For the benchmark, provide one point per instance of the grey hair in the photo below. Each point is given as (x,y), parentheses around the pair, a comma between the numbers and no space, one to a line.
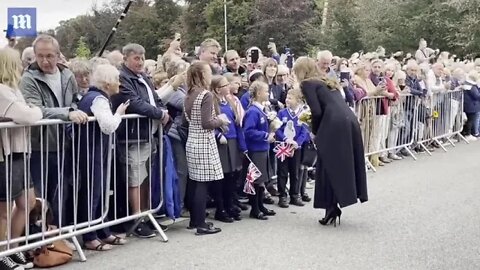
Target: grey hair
(46,39)
(133,48)
(103,74)
(176,67)
(81,67)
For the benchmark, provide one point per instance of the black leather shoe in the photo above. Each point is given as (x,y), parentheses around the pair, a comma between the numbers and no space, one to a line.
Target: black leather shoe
(191,227)
(208,230)
(306,198)
(243,206)
(268,212)
(273,191)
(235,209)
(283,202)
(259,216)
(296,202)
(268,201)
(223,217)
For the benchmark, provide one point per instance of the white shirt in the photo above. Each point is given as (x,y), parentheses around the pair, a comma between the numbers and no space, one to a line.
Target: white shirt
(55,83)
(107,121)
(155,124)
(435,84)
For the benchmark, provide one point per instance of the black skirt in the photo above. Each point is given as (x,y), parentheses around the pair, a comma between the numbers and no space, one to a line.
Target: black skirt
(262,161)
(14,173)
(230,156)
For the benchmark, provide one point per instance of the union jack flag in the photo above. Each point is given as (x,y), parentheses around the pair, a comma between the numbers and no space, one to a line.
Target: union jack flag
(253,174)
(283,150)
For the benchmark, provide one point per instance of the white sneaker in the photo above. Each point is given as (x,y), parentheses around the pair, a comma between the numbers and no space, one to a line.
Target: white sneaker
(471,138)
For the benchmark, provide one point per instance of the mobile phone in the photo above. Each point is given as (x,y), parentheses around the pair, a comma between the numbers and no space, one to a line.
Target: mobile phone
(255,55)
(344,76)
(290,61)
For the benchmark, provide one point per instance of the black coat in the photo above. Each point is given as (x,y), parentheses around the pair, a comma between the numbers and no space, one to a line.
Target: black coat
(341,159)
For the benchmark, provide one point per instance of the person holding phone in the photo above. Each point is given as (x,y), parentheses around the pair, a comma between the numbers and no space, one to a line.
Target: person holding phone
(388,90)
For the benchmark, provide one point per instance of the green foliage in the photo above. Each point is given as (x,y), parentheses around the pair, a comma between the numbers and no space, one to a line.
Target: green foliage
(352,25)
(82,50)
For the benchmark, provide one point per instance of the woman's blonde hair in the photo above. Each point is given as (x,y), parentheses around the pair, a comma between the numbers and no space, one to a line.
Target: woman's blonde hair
(158,78)
(295,92)
(10,67)
(216,84)
(255,87)
(196,76)
(306,68)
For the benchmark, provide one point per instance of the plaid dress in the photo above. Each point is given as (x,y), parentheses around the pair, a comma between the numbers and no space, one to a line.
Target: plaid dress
(202,153)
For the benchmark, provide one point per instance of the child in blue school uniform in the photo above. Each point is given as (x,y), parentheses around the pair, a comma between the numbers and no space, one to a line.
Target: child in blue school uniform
(231,147)
(293,133)
(258,138)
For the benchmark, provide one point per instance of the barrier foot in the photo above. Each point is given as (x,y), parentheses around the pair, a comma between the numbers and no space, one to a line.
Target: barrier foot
(463,138)
(79,249)
(370,165)
(410,153)
(157,227)
(451,142)
(441,145)
(130,231)
(426,149)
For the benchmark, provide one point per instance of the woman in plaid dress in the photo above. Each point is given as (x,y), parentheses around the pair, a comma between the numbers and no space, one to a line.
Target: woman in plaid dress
(203,160)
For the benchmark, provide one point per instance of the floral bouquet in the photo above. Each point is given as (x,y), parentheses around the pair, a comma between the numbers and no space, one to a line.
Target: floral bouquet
(275,123)
(305,117)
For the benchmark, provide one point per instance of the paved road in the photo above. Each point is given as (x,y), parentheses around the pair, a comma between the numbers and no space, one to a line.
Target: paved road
(422,214)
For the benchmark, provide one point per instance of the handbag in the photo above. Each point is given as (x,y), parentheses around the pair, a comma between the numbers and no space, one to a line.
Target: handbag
(309,154)
(182,130)
(55,254)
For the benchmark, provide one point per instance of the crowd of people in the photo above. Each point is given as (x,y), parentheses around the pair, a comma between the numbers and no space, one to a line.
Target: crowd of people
(220,114)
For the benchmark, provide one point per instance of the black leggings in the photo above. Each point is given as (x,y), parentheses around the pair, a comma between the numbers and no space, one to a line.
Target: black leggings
(223,191)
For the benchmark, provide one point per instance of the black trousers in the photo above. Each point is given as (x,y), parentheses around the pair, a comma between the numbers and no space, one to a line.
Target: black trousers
(302,180)
(289,167)
(199,204)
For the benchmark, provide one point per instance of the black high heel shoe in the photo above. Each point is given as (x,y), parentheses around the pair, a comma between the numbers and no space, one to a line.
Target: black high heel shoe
(331,217)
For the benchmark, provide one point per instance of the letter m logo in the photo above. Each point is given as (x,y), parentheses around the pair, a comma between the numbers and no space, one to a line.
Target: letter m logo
(22,22)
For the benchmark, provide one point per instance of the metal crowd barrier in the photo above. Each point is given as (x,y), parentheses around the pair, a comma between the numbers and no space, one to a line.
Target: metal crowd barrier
(73,169)
(442,115)
(409,122)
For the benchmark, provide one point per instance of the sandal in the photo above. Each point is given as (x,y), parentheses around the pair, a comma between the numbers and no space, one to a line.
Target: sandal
(116,241)
(100,247)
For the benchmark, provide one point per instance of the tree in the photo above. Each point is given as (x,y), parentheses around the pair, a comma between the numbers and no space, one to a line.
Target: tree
(194,22)
(238,19)
(82,50)
(288,22)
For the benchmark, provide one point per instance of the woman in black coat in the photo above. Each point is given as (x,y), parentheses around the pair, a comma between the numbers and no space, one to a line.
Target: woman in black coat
(340,174)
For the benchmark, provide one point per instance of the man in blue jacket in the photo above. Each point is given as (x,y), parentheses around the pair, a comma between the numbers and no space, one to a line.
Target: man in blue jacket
(139,136)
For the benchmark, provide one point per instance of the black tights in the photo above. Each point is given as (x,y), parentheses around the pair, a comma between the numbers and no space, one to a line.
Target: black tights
(256,200)
(223,191)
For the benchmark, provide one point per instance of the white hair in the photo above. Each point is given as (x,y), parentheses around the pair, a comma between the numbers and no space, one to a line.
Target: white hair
(324,55)
(473,75)
(412,64)
(103,74)
(28,54)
